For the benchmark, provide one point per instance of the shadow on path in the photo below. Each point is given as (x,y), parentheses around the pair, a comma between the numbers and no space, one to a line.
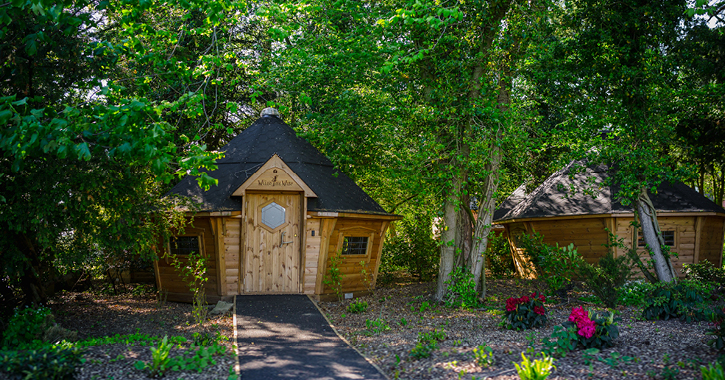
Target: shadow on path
(286,337)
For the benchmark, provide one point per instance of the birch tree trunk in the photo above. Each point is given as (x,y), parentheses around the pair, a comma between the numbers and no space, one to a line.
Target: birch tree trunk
(653,238)
(448,239)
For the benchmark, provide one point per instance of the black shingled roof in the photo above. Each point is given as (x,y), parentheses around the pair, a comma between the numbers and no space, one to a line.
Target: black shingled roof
(252,148)
(555,198)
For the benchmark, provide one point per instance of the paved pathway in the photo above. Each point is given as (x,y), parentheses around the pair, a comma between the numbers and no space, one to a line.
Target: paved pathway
(286,337)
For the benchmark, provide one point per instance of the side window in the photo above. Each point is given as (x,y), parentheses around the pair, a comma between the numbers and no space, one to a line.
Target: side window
(184,245)
(668,236)
(355,245)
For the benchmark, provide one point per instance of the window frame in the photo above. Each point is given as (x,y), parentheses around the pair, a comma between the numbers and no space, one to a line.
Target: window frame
(199,239)
(641,243)
(356,232)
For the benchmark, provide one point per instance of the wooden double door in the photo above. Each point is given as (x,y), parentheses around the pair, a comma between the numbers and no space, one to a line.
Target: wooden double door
(272,242)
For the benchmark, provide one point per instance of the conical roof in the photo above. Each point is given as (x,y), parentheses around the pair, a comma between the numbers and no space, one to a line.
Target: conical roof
(591,196)
(252,148)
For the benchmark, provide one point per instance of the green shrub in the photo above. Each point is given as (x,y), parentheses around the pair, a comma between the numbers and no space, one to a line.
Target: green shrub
(412,248)
(432,336)
(51,362)
(499,259)
(377,326)
(536,370)
(525,312)
(461,290)
(27,324)
(605,279)
(683,300)
(357,307)
(704,271)
(557,266)
(635,293)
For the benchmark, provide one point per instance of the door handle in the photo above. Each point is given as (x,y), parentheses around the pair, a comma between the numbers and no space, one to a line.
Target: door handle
(282,242)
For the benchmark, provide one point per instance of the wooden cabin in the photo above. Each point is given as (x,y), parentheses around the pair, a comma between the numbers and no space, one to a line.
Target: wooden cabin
(280,212)
(692,225)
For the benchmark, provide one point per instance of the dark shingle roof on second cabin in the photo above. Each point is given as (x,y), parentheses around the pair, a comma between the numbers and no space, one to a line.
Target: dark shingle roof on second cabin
(554,197)
(252,148)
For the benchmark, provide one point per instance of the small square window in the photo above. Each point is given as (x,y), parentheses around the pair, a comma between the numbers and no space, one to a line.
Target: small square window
(668,236)
(355,245)
(184,245)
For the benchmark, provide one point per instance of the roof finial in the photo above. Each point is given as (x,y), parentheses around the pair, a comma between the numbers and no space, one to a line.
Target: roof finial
(269,111)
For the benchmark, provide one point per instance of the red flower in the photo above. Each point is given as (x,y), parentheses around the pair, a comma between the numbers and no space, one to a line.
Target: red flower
(525,299)
(542,298)
(539,310)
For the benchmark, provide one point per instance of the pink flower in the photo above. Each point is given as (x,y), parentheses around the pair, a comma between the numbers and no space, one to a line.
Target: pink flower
(587,330)
(578,314)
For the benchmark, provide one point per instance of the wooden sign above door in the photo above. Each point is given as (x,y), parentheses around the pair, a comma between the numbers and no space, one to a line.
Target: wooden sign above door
(274,175)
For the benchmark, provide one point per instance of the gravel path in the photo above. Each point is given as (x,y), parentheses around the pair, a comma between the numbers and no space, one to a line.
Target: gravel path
(645,349)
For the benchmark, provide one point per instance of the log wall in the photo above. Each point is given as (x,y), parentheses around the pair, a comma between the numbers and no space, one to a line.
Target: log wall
(711,240)
(170,281)
(350,267)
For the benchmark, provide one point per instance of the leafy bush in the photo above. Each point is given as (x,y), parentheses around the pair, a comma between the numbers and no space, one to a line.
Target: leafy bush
(557,266)
(483,356)
(161,362)
(605,280)
(461,290)
(704,271)
(499,259)
(536,370)
(413,248)
(357,307)
(525,312)
(27,325)
(596,331)
(683,300)
(51,362)
(635,293)
(432,336)
(713,372)
(717,318)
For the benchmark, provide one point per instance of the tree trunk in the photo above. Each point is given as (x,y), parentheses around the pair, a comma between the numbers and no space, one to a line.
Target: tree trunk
(632,252)
(653,238)
(29,282)
(448,240)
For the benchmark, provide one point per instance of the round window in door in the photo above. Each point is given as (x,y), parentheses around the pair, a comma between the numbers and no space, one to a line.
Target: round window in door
(273,215)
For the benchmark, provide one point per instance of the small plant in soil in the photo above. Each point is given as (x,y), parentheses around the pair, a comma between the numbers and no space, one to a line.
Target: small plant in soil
(717,332)
(597,331)
(539,369)
(376,326)
(713,372)
(483,356)
(358,307)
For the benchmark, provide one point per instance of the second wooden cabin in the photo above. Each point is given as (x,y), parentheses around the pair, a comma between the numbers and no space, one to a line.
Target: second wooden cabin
(692,225)
(279,215)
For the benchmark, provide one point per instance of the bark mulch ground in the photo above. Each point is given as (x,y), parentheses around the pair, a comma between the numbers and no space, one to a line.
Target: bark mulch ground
(645,350)
(96,316)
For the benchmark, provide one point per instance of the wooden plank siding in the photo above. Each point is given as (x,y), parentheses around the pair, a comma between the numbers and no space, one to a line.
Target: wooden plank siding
(711,240)
(168,278)
(685,239)
(311,255)
(350,267)
(230,255)
(696,237)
